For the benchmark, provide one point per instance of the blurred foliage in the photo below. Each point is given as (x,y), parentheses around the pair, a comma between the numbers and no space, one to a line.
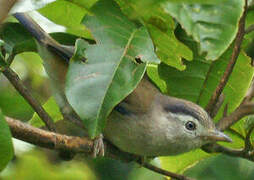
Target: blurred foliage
(6,147)
(29,68)
(35,165)
(219,167)
(213,26)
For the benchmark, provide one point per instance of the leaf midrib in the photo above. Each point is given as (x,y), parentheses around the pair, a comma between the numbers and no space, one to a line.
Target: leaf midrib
(113,74)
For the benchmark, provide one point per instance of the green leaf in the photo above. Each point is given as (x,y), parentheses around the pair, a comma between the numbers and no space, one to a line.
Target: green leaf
(222,167)
(110,72)
(6,147)
(12,104)
(35,164)
(213,26)
(52,109)
(169,49)
(16,38)
(142,8)
(69,14)
(182,162)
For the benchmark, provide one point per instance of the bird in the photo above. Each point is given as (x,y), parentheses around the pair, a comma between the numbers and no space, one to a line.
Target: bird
(147,122)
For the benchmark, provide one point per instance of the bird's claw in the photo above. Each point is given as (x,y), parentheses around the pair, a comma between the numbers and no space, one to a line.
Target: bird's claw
(98,146)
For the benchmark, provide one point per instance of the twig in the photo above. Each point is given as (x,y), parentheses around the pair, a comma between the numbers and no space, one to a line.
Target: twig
(225,111)
(5,7)
(240,112)
(19,86)
(245,108)
(223,81)
(48,139)
(216,148)
(249,29)
(217,106)
(164,172)
(73,144)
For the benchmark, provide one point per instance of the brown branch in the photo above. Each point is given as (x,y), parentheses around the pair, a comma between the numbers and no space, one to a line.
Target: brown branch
(217,106)
(243,110)
(74,144)
(223,81)
(48,139)
(249,29)
(164,172)
(5,7)
(216,148)
(20,87)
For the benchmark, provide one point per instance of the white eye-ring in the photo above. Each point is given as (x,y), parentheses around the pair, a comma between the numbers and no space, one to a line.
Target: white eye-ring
(190,126)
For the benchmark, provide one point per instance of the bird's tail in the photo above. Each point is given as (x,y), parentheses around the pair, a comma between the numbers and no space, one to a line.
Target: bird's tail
(42,37)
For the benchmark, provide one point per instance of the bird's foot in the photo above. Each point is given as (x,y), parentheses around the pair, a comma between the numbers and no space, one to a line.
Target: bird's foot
(98,146)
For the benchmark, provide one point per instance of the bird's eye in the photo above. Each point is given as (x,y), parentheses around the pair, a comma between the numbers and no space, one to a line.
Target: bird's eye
(190,126)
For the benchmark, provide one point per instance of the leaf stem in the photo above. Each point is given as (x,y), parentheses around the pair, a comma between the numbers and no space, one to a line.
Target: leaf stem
(164,172)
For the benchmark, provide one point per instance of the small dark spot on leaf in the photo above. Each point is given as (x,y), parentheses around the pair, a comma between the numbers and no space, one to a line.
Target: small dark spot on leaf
(138,59)
(84,60)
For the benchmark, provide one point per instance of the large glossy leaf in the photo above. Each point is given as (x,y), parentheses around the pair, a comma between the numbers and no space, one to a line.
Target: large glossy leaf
(180,163)
(110,72)
(141,8)
(6,147)
(197,83)
(16,38)
(222,167)
(213,26)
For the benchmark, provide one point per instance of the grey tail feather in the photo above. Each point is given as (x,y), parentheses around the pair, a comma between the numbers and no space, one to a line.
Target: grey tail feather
(31,26)
(42,37)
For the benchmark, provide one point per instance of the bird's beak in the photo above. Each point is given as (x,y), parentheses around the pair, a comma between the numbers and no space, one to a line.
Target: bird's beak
(215,135)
